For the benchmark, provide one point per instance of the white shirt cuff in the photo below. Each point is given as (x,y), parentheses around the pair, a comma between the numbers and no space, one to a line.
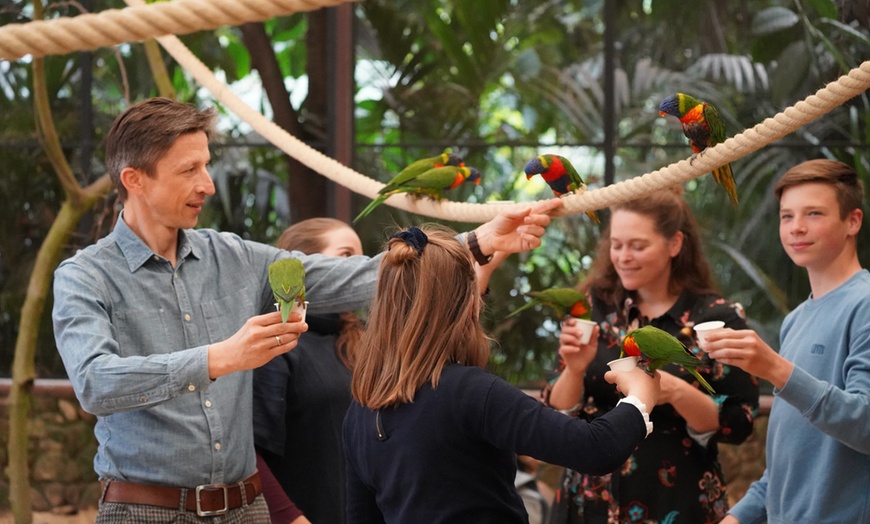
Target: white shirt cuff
(634,401)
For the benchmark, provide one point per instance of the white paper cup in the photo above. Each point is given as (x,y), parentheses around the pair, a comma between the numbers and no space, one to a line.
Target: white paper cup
(623,364)
(298,307)
(586,327)
(301,308)
(702,329)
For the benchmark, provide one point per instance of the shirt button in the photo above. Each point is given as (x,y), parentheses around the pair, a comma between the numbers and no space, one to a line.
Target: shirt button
(217,446)
(187,317)
(191,387)
(143,398)
(208,403)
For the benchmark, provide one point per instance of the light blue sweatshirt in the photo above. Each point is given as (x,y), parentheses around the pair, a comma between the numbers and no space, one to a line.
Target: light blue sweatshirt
(818,440)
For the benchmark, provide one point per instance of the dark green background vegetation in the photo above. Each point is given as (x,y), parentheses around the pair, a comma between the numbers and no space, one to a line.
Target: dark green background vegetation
(499,81)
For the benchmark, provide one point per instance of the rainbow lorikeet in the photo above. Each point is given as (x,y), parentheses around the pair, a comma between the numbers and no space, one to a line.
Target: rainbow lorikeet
(658,347)
(287,280)
(561,299)
(559,174)
(429,183)
(704,128)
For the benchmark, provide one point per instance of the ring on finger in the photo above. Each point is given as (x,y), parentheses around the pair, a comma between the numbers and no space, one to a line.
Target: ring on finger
(278,339)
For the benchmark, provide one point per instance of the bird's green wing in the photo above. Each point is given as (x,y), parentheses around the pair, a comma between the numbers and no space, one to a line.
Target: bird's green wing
(715,123)
(412,171)
(576,179)
(658,344)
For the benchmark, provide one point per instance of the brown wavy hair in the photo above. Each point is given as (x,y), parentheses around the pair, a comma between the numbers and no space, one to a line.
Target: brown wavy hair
(425,314)
(670,214)
(309,237)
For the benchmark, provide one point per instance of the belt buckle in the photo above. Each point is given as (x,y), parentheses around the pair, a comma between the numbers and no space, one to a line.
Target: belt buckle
(211,487)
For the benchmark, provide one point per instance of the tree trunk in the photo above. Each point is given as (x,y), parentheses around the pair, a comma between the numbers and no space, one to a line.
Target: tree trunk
(306,189)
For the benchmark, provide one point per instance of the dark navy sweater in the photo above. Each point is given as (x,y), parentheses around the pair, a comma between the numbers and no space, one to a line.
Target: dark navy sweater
(449,456)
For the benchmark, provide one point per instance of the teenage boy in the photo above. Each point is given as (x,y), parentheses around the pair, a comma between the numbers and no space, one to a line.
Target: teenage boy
(818,439)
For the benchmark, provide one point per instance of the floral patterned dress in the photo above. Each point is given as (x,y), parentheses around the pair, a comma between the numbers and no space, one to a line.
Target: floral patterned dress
(674,475)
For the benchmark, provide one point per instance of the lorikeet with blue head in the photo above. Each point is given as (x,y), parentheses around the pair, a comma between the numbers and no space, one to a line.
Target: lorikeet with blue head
(562,300)
(558,172)
(658,347)
(704,128)
(428,183)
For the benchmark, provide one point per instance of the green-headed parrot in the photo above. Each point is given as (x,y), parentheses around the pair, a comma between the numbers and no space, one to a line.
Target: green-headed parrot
(561,299)
(429,183)
(704,128)
(559,174)
(658,347)
(287,280)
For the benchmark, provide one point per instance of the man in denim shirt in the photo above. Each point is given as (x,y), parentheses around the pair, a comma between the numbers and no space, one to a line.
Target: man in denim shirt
(159,325)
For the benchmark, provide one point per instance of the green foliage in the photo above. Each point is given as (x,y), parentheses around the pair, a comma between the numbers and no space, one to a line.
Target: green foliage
(498,82)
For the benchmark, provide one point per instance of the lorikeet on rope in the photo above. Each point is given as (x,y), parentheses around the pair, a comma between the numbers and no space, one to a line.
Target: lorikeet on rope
(287,280)
(429,183)
(561,299)
(704,128)
(559,174)
(658,347)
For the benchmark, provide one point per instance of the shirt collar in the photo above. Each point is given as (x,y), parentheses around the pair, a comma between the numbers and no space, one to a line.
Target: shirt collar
(676,312)
(137,252)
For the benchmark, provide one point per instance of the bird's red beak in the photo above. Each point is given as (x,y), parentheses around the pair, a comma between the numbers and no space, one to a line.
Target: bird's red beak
(662,113)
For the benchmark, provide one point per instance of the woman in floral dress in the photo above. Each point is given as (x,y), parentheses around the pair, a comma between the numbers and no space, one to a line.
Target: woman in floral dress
(649,269)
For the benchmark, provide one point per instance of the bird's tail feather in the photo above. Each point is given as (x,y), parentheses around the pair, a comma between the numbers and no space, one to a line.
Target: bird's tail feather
(703,382)
(368,209)
(725,178)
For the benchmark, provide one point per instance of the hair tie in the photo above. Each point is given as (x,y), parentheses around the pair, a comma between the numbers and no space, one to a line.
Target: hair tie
(414,237)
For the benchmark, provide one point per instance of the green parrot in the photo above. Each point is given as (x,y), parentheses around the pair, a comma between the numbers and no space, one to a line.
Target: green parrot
(561,300)
(658,348)
(287,279)
(429,183)
(704,128)
(559,174)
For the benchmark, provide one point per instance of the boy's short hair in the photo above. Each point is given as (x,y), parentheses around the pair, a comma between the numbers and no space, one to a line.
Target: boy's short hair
(839,175)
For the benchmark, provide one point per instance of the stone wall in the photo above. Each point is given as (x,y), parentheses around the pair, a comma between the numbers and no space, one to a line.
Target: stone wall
(62,448)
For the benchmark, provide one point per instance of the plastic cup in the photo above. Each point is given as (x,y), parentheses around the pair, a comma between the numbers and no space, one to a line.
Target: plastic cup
(704,328)
(299,307)
(623,364)
(586,327)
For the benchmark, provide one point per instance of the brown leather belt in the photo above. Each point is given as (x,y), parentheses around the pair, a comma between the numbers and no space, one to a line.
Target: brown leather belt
(206,500)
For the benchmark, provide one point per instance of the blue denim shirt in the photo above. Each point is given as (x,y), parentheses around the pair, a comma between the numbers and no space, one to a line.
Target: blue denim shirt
(134,332)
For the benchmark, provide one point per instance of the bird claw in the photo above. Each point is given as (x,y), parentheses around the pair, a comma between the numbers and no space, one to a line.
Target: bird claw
(693,158)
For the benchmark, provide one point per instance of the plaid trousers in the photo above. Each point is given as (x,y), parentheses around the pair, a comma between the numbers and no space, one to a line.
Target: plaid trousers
(113,513)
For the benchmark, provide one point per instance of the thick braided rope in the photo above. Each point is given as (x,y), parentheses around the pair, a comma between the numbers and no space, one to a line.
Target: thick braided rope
(813,107)
(770,130)
(116,26)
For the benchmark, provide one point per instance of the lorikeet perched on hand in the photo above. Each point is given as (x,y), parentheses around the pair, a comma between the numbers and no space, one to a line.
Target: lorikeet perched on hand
(658,348)
(703,126)
(287,280)
(430,183)
(561,300)
(559,174)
